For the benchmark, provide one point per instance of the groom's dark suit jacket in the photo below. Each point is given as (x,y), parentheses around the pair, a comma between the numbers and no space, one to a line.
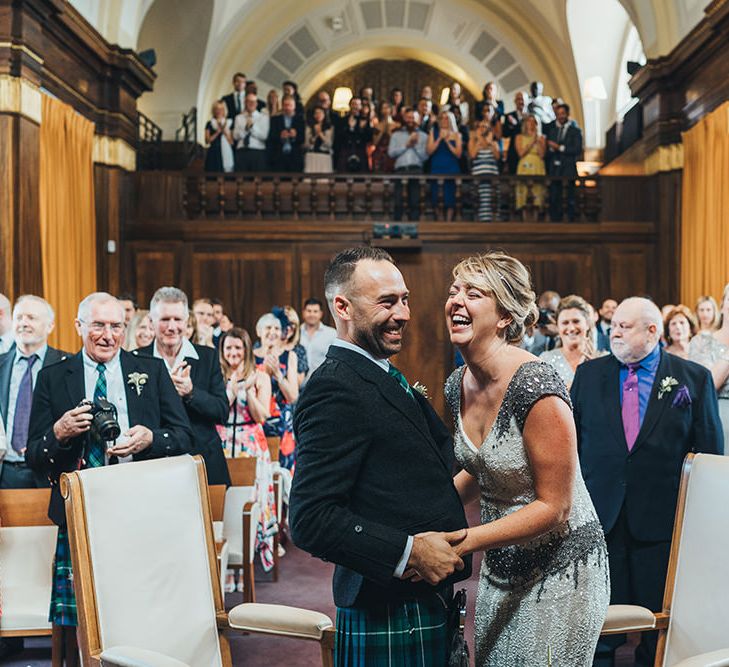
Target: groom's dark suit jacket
(373,466)
(646,479)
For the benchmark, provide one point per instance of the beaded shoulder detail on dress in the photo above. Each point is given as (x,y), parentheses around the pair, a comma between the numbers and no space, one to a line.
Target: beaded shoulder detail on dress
(532,381)
(453,390)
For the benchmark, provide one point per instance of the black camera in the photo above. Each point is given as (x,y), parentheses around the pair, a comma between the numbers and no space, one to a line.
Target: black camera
(104,424)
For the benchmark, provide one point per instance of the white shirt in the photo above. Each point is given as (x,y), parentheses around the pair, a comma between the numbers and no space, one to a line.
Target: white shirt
(384,364)
(317,344)
(258,131)
(115,391)
(187,349)
(16,375)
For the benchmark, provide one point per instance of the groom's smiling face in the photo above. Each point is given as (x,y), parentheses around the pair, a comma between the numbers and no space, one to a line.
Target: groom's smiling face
(380,308)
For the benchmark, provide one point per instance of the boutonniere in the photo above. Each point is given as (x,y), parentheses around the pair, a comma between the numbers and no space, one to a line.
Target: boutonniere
(137,380)
(666,386)
(421,389)
(682,399)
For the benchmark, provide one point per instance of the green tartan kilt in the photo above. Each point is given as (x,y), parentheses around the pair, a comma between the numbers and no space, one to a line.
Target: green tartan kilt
(63,599)
(412,633)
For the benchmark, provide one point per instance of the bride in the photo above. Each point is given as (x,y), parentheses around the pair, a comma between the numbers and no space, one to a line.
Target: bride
(544,584)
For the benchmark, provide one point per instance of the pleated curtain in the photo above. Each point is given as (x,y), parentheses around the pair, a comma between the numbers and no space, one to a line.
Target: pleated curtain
(67,215)
(705,207)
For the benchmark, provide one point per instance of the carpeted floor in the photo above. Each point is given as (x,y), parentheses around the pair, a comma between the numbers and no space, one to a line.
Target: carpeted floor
(304,582)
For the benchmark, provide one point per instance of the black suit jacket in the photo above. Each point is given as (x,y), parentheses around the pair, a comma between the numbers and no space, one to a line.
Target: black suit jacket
(6,368)
(206,406)
(373,466)
(60,388)
(512,130)
(293,161)
(229,101)
(564,163)
(646,479)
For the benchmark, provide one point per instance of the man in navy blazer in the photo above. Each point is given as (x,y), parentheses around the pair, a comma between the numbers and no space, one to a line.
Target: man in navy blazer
(286,138)
(564,148)
(638,413)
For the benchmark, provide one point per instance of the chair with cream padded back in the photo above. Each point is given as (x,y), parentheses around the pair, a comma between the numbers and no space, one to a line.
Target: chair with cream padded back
(27,549)
(146,578)
(693,626)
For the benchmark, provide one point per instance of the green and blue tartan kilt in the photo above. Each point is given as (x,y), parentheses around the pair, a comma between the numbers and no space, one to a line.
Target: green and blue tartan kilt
(411,633)
(63,599)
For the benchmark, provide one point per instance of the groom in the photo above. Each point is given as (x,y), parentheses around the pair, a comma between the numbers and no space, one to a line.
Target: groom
(373,474)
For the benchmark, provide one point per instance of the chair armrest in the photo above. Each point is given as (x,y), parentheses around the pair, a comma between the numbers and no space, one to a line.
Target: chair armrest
(628,618)
(131,656)
(713,659)
(274,619)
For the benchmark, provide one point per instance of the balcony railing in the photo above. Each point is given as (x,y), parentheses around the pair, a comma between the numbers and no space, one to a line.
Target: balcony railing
(366,197)
(149,146)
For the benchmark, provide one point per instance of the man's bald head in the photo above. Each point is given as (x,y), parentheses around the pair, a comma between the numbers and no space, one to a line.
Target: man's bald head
(636,329)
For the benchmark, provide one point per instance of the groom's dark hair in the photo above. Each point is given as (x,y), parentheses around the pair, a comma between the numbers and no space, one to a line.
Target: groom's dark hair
(341,268)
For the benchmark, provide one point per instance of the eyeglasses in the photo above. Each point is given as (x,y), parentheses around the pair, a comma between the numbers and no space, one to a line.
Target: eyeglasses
(99,327)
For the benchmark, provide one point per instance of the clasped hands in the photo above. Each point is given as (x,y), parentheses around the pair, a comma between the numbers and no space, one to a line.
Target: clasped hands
(77,421)
(435,556)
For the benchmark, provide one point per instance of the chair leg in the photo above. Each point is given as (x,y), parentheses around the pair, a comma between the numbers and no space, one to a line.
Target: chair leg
(276,557)
(327,647)
(70,646)
(56,645)
(249,583)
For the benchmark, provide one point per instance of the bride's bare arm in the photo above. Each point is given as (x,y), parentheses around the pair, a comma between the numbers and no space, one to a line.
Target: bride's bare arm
(467,487)
(551,444)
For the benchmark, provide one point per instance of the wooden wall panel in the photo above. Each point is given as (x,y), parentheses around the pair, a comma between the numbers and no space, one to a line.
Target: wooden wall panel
(153,269)
(633,271)
(248,281)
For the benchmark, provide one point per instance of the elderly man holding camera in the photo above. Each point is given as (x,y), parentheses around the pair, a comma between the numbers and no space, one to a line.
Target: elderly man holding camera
(101,406)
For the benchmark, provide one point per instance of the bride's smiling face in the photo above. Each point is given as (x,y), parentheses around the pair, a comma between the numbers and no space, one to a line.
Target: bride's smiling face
(470,314)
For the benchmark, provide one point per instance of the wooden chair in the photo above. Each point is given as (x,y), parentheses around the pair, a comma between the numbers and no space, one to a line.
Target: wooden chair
(274,443)
(222,548)
(240,521)
(143,553)
(693,631)
(27,549)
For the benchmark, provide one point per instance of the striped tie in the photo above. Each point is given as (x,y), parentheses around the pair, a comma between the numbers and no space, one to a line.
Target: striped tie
(96,448)
(401,380)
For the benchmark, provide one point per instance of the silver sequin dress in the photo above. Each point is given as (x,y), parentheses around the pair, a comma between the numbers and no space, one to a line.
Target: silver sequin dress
(547,597)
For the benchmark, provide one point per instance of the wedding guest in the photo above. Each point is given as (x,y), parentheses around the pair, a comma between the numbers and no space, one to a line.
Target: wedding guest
(633,437)
(219,140)
(140,332)
(408,147)
(455,99)
(318,143)
(426,117)
(564,145)
(426,92)
(530,147)
(444,148)
(252,89)
(250,132)
(397,102)
(281,366)
(235,101)
(606,315)
(273,103)
(712,351)
(483,150)
(316,337)
(383,127)
(292,341)
(678,330)
(351,136)
(544,557)
(203,309)
(512,128)
(540,104)
(707,314)
(489,101)
(191,328)
(248,392)
(291,88)
(574,326)
(286,138)
(130,306)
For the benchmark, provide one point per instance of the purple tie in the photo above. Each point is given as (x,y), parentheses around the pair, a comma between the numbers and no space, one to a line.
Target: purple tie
(631,406)
(23,403)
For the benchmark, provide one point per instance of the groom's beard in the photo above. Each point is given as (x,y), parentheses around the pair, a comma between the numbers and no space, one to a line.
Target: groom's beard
(372,339)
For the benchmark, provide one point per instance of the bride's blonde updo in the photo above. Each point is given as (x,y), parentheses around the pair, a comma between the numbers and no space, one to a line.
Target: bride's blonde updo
(507,280)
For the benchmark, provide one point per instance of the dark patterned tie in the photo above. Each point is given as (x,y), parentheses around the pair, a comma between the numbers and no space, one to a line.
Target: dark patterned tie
(402,381)
(21,421)
(96,447)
